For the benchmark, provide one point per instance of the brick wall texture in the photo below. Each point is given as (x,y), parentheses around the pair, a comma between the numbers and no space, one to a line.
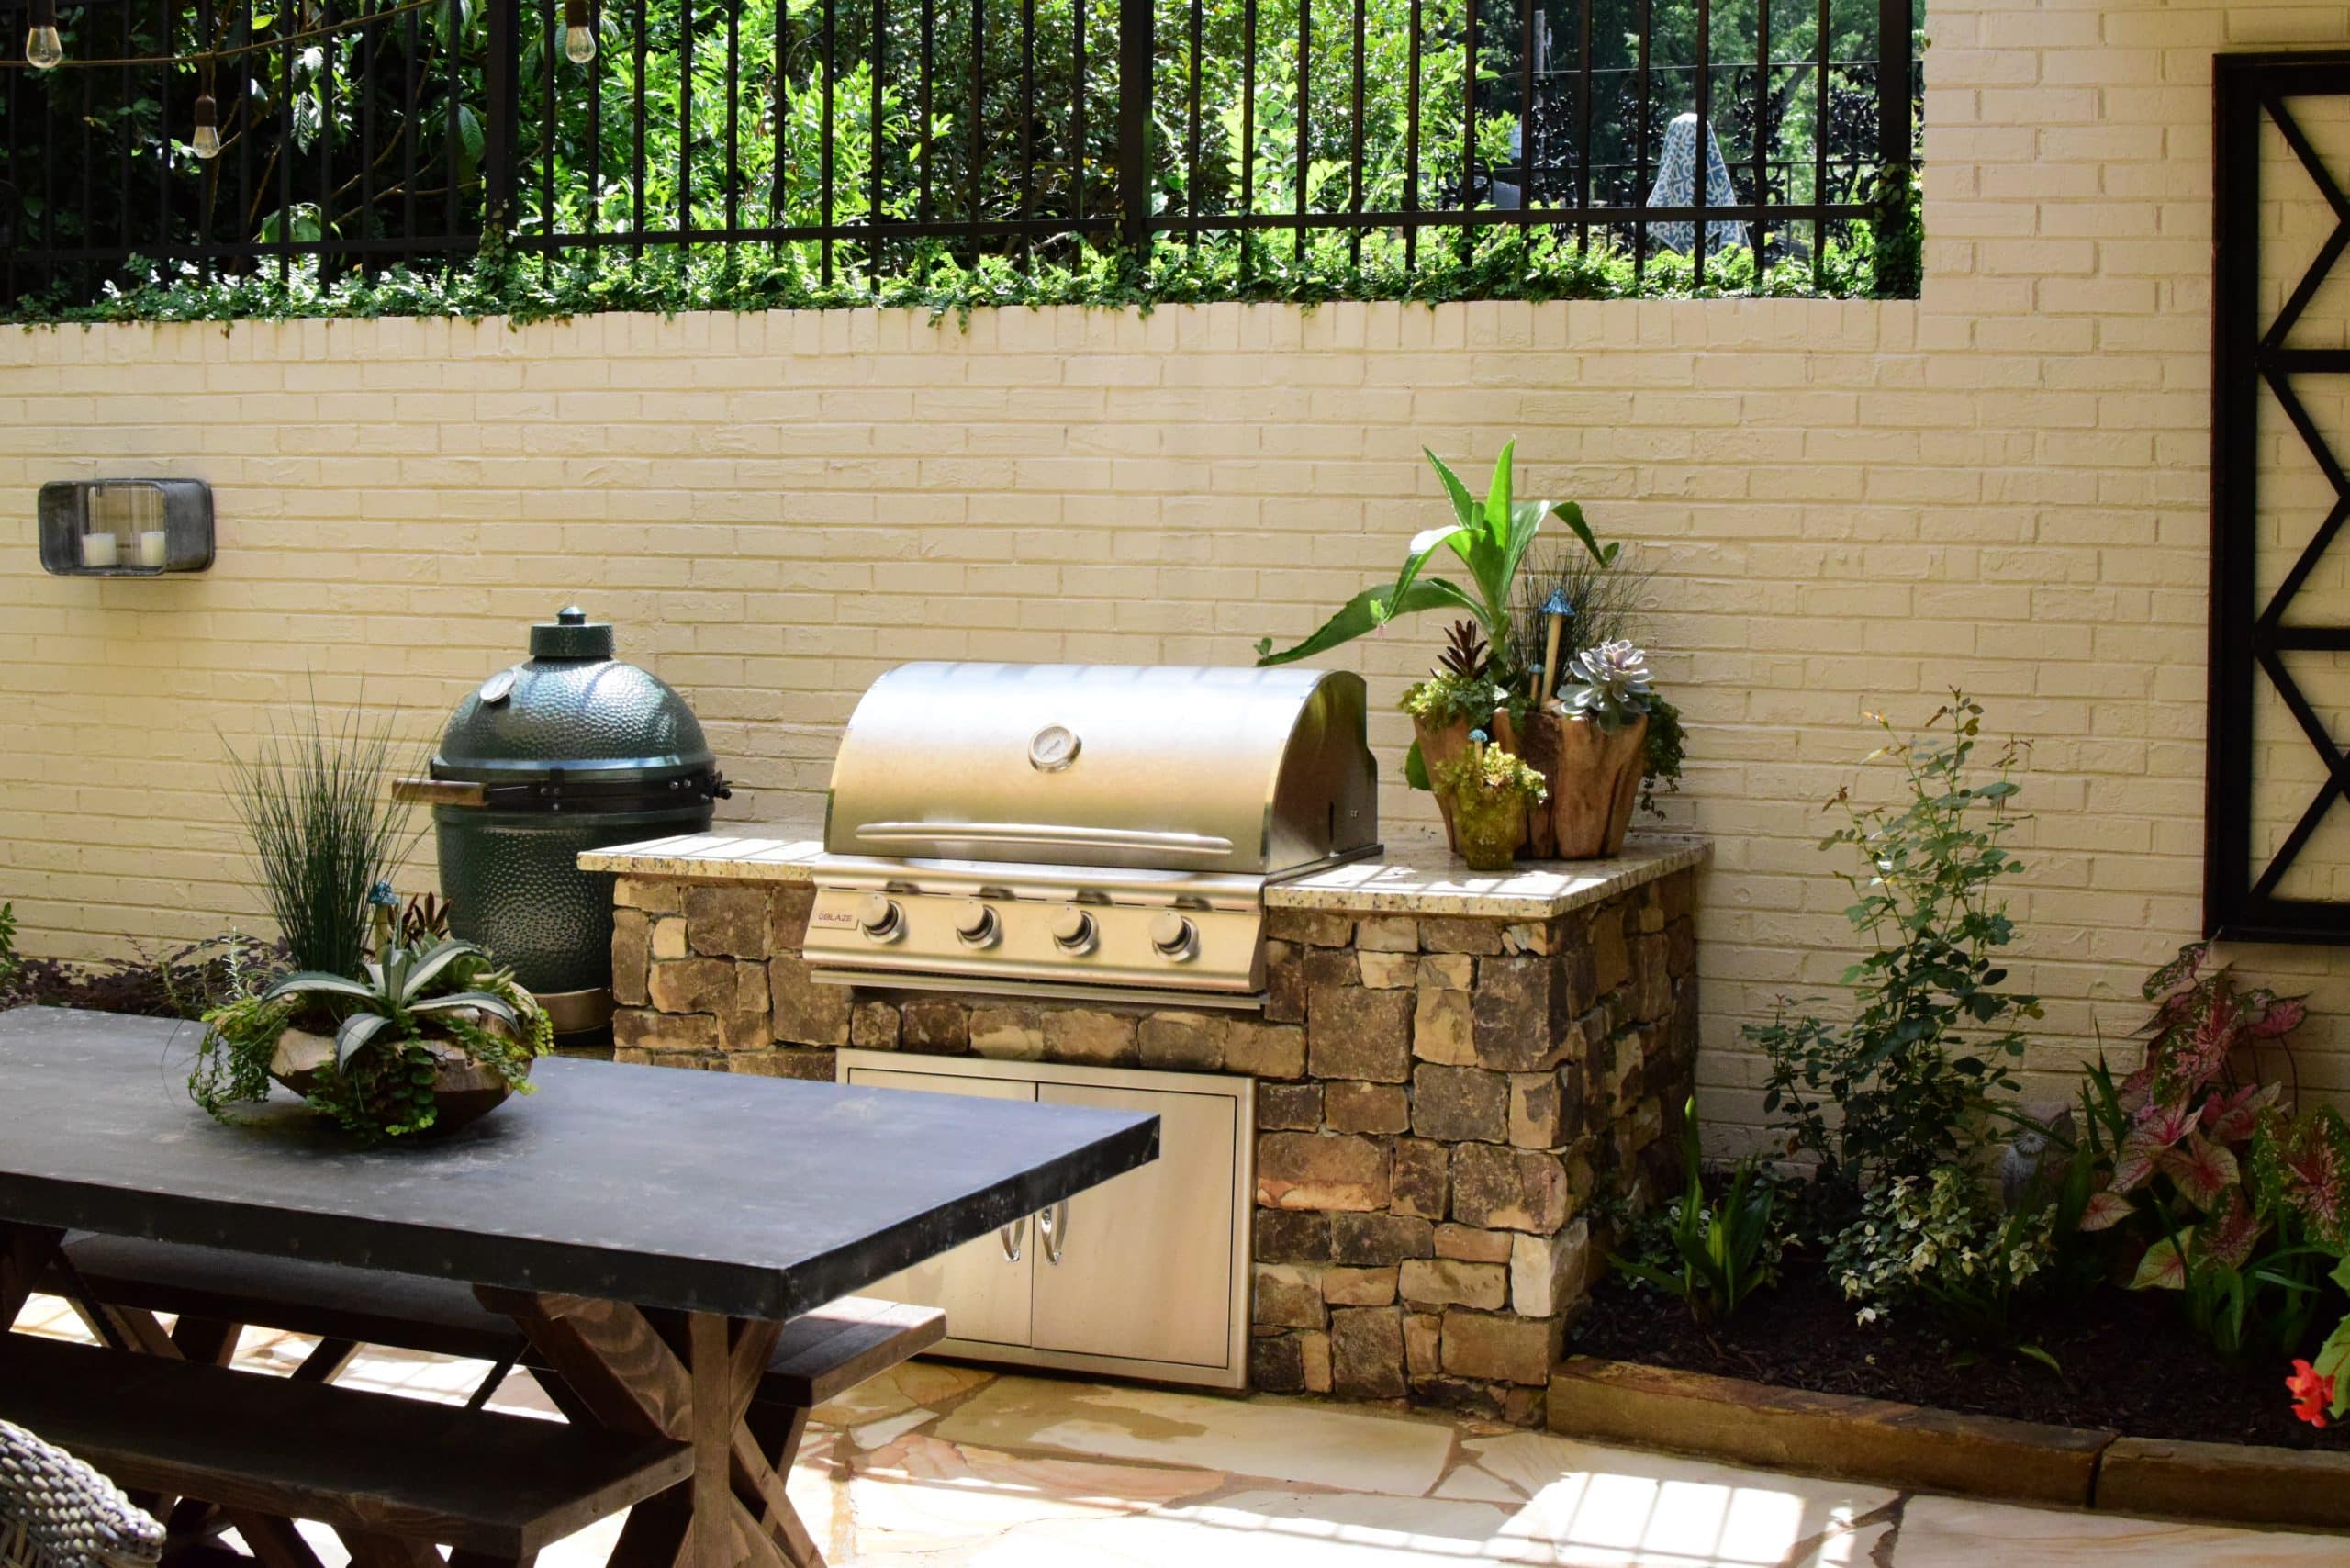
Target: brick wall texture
(1850,507)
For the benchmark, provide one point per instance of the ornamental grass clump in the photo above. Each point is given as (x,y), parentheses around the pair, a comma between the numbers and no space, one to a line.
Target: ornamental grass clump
(315,800)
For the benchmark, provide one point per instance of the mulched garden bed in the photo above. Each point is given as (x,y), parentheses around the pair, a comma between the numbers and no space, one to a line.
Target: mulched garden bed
(2130,1361)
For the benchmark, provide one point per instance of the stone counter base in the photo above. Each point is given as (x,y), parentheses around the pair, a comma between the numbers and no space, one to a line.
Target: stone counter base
(1440,1099)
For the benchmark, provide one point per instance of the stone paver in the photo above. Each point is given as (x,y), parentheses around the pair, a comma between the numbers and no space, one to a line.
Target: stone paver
(941,1466)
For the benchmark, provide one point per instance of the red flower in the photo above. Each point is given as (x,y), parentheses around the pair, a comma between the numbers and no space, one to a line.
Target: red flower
(2311,1394)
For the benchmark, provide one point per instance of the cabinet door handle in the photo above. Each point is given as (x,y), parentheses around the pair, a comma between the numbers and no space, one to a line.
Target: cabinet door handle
(1011,1235)
(1052,1223)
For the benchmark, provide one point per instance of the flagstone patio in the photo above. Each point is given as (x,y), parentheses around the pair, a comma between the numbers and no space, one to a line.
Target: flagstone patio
(933,1465)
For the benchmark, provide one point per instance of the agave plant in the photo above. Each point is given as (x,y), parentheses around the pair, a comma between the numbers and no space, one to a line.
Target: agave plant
(405,985)
(1613,684)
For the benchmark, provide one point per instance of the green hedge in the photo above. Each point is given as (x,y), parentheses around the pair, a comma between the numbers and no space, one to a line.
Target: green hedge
(1503,265)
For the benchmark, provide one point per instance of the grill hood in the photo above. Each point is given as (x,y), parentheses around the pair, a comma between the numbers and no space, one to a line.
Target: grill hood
(1260,772)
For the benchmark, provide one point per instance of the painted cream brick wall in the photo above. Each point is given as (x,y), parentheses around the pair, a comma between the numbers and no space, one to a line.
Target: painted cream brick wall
(1851,505)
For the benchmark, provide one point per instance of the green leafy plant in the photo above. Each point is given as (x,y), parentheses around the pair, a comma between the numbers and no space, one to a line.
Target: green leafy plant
(1487,770)
(1711,1256)
(377,1081)
(1490,537)
(11,967)
(315,802)
(2191,1161)
(1942,1240)
(666,282)
(1902,1087)
(404,989)
(2320,1390)
(2304,1166)
(1462,688)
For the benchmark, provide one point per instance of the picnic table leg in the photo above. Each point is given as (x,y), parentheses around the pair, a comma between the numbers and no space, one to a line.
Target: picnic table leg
(25,1251)
(622,1373)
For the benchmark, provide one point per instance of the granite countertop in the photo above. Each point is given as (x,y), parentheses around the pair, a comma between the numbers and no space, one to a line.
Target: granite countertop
(1416,874)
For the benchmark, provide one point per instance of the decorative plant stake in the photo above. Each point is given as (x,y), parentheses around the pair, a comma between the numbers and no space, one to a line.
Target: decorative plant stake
(1556,611)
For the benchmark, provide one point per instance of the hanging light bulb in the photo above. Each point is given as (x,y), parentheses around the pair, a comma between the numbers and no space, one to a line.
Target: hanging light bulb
(44,50)
(207,128)
(578,37)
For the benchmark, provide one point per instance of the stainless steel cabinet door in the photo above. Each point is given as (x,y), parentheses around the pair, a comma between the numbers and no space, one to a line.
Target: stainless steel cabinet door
(1146,1264)
(985,1294)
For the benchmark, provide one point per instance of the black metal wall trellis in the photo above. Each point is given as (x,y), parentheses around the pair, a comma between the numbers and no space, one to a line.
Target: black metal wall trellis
(2249,638)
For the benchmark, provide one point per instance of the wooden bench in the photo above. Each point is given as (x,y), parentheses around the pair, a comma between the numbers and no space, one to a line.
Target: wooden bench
(392,1475)
(122,1283)
(821,1355)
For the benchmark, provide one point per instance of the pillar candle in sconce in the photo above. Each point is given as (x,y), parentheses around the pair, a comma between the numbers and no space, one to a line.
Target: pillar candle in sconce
(130,528)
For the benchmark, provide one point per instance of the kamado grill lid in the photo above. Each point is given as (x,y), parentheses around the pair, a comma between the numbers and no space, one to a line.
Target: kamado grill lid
(574,714)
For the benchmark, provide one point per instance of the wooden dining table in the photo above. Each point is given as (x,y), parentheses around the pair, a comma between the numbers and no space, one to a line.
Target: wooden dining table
(612,1196)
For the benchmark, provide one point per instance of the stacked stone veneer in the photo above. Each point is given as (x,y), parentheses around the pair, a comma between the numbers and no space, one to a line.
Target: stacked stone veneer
(1441,1100)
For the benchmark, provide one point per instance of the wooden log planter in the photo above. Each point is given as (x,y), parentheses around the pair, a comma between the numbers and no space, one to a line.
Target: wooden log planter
(1594,779)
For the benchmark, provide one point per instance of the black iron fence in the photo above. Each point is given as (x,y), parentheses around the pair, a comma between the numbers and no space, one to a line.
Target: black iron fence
(870,139)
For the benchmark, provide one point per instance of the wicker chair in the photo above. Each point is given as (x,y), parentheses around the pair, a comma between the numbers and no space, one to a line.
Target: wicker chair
(56,1512)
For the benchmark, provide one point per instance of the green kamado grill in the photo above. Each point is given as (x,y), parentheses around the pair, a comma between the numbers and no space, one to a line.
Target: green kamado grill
(571,751)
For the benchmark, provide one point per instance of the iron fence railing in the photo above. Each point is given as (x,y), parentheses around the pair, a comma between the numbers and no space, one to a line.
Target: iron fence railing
(872,137)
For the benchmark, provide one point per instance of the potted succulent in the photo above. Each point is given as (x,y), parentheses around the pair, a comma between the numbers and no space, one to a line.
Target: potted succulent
(1505,669)
(425,1037)
(1459,697)
(1488,791)
(1601,752)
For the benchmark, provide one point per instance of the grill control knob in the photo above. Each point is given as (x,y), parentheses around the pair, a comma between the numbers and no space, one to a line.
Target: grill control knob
(1174,936)
(880,918)
(1073,930)
(975,925)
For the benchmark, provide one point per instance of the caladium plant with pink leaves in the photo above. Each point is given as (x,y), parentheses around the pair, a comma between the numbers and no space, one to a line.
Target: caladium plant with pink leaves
(2190,1162)
(2303,1165)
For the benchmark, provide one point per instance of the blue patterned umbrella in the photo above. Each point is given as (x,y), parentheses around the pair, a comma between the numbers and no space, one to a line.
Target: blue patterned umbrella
(1676,185)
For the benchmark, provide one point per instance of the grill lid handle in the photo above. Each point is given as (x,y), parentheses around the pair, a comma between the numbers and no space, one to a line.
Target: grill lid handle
(890,835)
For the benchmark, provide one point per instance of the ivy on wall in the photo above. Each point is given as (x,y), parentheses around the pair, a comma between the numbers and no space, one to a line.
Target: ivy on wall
(527,288)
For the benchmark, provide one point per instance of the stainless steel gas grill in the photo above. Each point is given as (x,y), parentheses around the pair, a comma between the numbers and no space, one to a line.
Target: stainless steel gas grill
(1083,830)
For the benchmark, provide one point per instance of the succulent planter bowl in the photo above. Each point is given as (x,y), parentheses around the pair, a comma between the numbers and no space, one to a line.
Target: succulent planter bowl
(464,1090)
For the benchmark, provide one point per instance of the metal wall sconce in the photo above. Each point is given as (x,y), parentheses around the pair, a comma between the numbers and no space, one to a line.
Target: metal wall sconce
(124,527)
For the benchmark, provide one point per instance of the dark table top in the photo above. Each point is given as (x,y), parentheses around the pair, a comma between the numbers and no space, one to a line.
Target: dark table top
(710,1192)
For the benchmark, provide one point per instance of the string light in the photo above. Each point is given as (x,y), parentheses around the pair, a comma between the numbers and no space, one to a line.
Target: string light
(44,50)
(578,37)
(207,128)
